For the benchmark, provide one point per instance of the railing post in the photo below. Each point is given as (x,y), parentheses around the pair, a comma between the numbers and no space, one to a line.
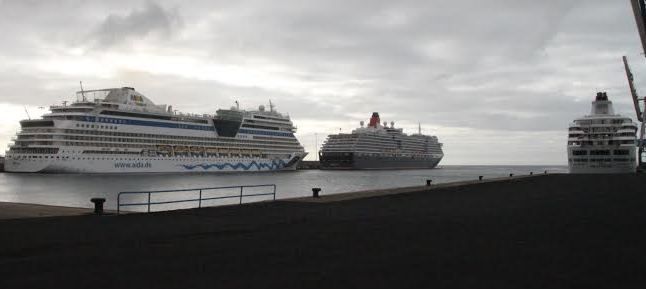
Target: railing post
(241,187)
(274,192)
(148,202)
(118,203)
(199,201)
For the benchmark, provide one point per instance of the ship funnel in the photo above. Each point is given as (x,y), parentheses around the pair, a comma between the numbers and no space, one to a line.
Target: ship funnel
(374,120)
(601,104)
(601,96)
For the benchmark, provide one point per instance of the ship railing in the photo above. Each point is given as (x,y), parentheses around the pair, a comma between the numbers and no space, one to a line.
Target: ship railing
(240,195)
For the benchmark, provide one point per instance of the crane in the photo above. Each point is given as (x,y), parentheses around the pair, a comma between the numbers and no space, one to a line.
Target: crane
(641,114)
(639,11)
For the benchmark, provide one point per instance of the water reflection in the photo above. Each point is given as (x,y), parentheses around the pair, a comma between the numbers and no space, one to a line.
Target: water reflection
(76,189)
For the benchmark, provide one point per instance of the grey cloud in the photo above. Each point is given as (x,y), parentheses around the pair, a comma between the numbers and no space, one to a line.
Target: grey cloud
(504,66)
(138,24)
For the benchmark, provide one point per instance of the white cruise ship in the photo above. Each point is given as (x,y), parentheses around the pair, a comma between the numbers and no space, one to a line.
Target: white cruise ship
(122,131)
(380,147)
(602,142)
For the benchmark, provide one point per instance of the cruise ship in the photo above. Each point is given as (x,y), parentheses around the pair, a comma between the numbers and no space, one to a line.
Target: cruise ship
(602,142)
(379,146)
(122,131)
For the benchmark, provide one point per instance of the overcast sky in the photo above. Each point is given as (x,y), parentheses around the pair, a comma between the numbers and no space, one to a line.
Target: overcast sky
(498,81)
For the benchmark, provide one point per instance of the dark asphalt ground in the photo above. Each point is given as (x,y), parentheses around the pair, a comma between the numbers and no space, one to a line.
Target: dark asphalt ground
(555,231)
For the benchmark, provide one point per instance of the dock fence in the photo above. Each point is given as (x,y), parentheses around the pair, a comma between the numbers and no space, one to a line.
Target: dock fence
(199,199)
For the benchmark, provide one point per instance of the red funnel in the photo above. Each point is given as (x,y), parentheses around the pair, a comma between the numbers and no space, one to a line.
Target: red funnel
(374,120)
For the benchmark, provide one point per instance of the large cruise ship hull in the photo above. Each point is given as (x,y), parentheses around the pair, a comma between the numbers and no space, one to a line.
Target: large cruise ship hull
(108,164)
(377,163)
(605,164)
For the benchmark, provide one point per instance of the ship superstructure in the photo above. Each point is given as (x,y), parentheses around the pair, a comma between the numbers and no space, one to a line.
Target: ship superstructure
(378,146)
(602,142)
(122,131)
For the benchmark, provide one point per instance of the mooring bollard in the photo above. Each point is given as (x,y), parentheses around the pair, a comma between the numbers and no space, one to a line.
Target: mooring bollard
(428,183)
(479,178)
(511,175)
(531,173)
(315,192)
(98,205)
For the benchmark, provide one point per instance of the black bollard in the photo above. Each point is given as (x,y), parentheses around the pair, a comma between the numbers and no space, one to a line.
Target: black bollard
(98,205)
(315,192)
(480,178)
(428,183)
(511,175)
(531,173)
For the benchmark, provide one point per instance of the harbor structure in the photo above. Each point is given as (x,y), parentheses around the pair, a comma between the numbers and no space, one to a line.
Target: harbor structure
(123,131)
(639,12)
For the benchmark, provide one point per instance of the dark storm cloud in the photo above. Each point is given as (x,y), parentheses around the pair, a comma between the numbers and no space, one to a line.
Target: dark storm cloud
(139,23)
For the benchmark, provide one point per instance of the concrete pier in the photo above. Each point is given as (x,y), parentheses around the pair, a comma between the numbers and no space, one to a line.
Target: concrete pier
(309,165)
(24,211)
(544,231)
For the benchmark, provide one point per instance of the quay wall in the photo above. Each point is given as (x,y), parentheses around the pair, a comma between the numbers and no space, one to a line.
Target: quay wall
(309,165)
(543,231)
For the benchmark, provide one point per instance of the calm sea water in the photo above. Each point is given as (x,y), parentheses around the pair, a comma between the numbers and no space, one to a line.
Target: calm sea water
(75,190)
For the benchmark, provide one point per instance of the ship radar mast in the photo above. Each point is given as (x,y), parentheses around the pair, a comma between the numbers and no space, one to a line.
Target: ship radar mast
(82,92)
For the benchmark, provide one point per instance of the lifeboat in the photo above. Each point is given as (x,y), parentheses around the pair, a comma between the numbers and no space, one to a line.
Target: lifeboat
(164,149)
(181,149)
(211,150)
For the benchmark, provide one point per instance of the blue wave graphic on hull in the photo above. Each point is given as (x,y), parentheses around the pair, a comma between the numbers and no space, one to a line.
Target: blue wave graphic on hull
(274,165)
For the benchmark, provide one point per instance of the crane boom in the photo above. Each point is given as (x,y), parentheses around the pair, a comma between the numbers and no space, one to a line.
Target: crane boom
(639,9)
(633,91)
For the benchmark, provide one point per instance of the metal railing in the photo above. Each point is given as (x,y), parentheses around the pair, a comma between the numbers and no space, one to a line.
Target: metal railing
(199,200)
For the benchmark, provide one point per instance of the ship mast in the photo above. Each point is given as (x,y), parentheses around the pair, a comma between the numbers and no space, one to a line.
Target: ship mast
(82,92)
